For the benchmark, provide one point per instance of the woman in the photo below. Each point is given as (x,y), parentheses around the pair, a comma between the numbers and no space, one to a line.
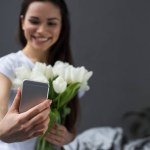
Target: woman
(44,34)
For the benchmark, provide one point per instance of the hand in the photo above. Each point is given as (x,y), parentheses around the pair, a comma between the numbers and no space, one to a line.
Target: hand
(59,135)
(19,127)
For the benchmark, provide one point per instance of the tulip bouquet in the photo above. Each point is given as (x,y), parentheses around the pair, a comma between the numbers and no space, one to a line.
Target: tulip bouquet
(65,82)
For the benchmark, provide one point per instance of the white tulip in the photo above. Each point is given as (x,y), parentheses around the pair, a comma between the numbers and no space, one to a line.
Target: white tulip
(84,87)
(41,72)
(22,72)
(68,74)
(17,83)
(75,76)
(38,76)
(58,71)
(59,85)
(59,68)
(49,72)
(83,74)
(78,74)
(41,79)
(61,64)
(39,67)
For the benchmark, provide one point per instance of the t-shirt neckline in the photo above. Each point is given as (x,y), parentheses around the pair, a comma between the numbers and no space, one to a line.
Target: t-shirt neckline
(27,58)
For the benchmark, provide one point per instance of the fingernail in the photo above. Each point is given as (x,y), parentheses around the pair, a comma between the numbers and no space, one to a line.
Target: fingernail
(50,101)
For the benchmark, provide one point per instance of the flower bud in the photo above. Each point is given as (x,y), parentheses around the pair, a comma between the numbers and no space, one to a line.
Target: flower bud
(59,85)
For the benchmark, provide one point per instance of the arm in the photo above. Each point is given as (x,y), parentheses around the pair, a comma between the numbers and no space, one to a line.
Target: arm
(5,85)
(19,127)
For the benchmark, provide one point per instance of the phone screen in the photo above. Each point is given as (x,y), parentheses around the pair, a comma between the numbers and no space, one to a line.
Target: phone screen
(33,93)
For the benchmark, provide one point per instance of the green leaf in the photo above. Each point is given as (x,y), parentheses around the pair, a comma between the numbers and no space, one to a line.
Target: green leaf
(54,118)
(52,94)
(43,144)
(59,106)
(68,94)
(58,118)
(64,112)
(51,122)
(67,111)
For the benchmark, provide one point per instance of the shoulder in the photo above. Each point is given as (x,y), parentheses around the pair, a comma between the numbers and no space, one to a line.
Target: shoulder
(8,63)
(10,57)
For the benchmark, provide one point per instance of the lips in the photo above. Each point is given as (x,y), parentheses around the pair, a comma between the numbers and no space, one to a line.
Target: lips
(40,39)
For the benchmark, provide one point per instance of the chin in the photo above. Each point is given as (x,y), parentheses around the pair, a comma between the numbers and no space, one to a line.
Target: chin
(42,47)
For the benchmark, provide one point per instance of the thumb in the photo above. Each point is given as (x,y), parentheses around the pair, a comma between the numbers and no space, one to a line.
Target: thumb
(16,102)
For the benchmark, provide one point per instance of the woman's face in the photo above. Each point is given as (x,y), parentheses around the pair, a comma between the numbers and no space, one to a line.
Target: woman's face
(41,25)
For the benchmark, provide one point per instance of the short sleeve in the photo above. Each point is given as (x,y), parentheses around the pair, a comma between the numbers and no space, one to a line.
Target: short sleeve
(7,64)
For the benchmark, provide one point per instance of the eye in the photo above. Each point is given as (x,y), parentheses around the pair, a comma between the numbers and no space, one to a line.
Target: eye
(34,22)
(52,23)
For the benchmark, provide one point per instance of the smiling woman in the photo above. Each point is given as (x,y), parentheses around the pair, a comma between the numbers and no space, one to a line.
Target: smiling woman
(44,33)
(42,26)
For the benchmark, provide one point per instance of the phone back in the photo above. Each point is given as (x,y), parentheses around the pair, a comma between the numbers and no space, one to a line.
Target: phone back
(33,93)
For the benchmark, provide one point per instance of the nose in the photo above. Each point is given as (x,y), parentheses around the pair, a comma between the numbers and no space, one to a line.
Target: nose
(42,28)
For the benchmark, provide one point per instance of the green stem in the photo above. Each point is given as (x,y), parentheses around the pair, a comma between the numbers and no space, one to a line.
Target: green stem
(58,101)
(43,144)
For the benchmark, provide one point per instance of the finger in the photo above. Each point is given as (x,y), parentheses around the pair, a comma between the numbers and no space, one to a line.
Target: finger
(36,109)
(40,118)
(16,102)
(59,127)
(42,126)
(59,134)
(29,129)
(53,131)
(35,134)
(56,132)
(54,140)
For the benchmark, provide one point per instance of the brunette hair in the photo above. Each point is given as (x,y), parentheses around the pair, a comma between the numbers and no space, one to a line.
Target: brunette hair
(59,51)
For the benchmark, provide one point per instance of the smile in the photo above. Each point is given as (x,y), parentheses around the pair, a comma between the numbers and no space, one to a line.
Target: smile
(41,39)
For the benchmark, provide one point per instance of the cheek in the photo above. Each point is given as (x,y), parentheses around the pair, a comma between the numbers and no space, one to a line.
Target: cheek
(57,33)
(29,30)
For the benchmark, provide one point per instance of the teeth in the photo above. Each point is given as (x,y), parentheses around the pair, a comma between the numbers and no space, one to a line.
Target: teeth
(41,39)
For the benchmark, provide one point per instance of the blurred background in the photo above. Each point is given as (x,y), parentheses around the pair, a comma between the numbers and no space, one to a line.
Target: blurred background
(109,37)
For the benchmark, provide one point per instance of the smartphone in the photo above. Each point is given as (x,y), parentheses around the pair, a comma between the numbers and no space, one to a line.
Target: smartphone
(32,94)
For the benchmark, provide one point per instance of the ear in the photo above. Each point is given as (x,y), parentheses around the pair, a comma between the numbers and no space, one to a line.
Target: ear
(22,21)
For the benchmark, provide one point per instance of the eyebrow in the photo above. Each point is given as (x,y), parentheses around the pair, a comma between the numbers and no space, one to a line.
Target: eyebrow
(49,19)
(53,19)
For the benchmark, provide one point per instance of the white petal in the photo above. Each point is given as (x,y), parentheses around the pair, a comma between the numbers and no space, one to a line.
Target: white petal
(59,85)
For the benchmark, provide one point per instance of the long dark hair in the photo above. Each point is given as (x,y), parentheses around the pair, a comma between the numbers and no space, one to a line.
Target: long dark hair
(59,51)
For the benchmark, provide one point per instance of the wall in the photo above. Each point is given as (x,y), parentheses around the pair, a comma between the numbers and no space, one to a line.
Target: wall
(110,37)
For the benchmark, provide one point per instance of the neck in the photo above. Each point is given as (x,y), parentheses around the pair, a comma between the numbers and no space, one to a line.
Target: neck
(36,55)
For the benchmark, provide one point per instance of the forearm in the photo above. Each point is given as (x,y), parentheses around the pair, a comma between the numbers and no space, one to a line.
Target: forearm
(3,112)
(5,87)
(0,131)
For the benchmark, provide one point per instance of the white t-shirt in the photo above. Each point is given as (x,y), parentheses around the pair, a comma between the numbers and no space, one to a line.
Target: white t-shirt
(8,63)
